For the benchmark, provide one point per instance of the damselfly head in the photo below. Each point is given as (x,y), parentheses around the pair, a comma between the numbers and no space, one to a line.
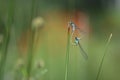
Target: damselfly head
(77,40)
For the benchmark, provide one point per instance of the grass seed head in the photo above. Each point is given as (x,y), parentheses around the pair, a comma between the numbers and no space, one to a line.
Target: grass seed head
(37,22)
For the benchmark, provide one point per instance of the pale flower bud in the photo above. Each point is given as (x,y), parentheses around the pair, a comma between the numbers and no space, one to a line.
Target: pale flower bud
(37,22)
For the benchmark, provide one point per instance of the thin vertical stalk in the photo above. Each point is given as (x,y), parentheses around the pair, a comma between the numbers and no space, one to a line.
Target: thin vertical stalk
(6,37)
(67,55)
(102,61)
(30,55)
(4,56)
(32,10)
(31,43)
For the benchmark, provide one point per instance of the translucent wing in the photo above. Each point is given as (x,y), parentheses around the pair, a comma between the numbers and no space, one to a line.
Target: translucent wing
(84,54)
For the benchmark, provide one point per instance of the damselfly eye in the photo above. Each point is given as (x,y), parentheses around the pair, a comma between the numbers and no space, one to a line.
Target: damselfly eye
(76,41)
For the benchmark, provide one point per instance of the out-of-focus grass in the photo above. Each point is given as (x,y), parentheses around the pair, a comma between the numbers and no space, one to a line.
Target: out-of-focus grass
(6,36)
(52,46)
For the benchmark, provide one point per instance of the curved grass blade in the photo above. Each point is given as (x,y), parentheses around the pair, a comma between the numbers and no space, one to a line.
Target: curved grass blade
(102,61)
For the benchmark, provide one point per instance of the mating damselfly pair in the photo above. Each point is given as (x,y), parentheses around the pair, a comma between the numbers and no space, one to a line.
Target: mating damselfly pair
(76,35)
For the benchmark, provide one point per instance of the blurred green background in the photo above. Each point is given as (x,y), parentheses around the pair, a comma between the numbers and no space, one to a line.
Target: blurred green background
(99,18)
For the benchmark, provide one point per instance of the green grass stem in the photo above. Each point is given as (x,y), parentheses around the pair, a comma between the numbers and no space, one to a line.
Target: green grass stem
(8,26)
(31,43)
(67,55)
(102,61)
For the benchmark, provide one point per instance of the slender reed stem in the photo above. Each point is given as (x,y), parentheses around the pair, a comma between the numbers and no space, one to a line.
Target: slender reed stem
(4,56)
(102,61)
(67,55)
(6,37)
(30,55)
(31,43)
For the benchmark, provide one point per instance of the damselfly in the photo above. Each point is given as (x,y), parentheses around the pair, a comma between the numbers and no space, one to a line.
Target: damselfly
(76,36)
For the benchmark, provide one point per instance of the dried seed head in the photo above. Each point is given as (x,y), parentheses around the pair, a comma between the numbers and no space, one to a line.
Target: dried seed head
(37,22)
